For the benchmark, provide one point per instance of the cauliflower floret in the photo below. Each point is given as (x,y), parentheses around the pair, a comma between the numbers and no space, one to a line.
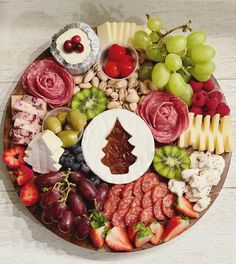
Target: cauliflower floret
(189,173)
(177,187)
(212,176)
(202,204)
(198,182)
(194,158)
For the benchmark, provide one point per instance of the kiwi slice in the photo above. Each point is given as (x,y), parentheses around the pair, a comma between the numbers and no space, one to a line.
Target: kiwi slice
(170,161)
(90,102)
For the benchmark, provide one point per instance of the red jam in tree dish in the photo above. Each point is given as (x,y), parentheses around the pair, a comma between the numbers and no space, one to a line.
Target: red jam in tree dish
(118,151)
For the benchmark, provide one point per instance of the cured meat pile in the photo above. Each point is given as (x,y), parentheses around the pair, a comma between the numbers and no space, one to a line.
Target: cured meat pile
(165,114)
(144,200)
(49,81)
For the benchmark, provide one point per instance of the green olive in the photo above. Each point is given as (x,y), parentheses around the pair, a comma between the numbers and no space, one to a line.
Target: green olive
(62,117)
(68,137)
(52,123)
(76,120)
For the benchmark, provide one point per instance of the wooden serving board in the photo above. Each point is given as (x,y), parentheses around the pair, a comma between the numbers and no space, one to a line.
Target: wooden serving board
(36,211)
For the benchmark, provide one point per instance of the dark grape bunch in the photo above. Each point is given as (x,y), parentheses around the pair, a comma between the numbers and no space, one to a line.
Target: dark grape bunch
(73,159)
(67,198)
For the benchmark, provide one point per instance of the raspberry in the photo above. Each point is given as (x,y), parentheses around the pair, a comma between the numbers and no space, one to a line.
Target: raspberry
(217,95)
(200,98)
(197,86)
(209,85)
(212,103)
(196,110)
(210,113)
(223,109)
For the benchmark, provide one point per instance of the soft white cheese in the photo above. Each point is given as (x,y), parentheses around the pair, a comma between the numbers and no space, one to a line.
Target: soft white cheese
(202,204)
(212,176)
(189,173)
(177,187)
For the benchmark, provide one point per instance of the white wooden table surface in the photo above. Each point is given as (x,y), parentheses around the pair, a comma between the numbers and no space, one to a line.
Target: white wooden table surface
(25,30)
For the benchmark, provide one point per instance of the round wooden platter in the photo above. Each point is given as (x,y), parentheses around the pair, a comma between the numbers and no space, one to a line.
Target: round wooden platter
(36,211)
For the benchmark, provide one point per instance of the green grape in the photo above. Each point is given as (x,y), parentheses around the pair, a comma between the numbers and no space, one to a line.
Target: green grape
(154,24)
(199,77)
(145,71)
(176,44)
(185,74)
(176,84)
(187,95)
(205,68)
(173,62)
(202,53)
(142,39)
(195,38)
(160,75)
(154,36)
(154,52)
(183,53)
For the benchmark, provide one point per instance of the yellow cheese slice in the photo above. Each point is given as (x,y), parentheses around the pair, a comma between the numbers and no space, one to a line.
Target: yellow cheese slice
(219,145)
(114,31)
(120,31)
(198,124)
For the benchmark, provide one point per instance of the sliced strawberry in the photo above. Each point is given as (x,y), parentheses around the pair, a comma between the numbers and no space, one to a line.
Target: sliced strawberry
(186,208)
(117,239)
(25,174)
(13,157)
(97,236)
(133,230)
(29,194)
(157,231)
(142,237)
(175,226)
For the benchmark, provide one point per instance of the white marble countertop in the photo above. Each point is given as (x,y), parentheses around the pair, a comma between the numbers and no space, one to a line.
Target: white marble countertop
(25,30)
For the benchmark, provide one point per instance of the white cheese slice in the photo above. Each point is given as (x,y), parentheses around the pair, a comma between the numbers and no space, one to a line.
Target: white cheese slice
(120,31)
(141,139)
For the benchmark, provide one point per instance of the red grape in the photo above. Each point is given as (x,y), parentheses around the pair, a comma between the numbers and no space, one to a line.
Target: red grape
(58,210)
(76,176)
(50,198)
(48,179)
(76,204)
(81,228)
(88,189)
(66,223)
(102,194)
(46,216)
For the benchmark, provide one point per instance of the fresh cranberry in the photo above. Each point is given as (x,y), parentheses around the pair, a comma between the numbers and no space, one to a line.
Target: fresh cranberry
(79,48)
(76,39)
(68,46)
(116,52)
(111,69)
(126,68)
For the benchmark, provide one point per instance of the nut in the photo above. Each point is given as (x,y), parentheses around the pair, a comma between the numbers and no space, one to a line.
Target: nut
(76,89)
(108,91)
(111,83)
(85,85)
(102,76)
(114,105)
(131,91)
(133,106)
(122,94)
(114,96)
(151,86)
(132,83)
(133,75)
(89,76)
(121,84)
(132,98)
(95,81)
(103,85)
(143,88)
(95,67)
(78,79)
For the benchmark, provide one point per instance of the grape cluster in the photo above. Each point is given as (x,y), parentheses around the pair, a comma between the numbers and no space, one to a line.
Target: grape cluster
(176,58)
(73,159)
(65,198)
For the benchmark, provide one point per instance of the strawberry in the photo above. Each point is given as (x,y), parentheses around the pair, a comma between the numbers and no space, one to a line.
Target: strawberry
(97,236)
(117,239)
(142,237)
(25,174)
(133,230)
(186,208)
(158,231)
(29,194)
(175,226)
(13,157)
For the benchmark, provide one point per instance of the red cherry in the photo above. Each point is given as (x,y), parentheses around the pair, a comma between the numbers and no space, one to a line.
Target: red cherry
(79,48)
(76,39)
(116,52)
(111,69)
(68,46)
(126,68)
(128,58)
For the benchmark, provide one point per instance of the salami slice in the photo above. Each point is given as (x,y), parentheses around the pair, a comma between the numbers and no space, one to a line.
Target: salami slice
(132,217)
(147,216)
(116,190)
(147,199)
(159,191)
(128,190)
(137,190)
(168,205)
(111,204)
(118,220)
(137,201)
(157,210)
(125,204)
(149,180)
(108,214)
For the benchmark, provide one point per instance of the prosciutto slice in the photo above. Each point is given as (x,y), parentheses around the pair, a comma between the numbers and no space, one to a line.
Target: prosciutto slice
(49,81)
(165,114)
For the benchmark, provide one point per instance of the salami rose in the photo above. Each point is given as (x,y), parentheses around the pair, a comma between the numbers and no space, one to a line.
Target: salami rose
(49,81)
(165,114)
